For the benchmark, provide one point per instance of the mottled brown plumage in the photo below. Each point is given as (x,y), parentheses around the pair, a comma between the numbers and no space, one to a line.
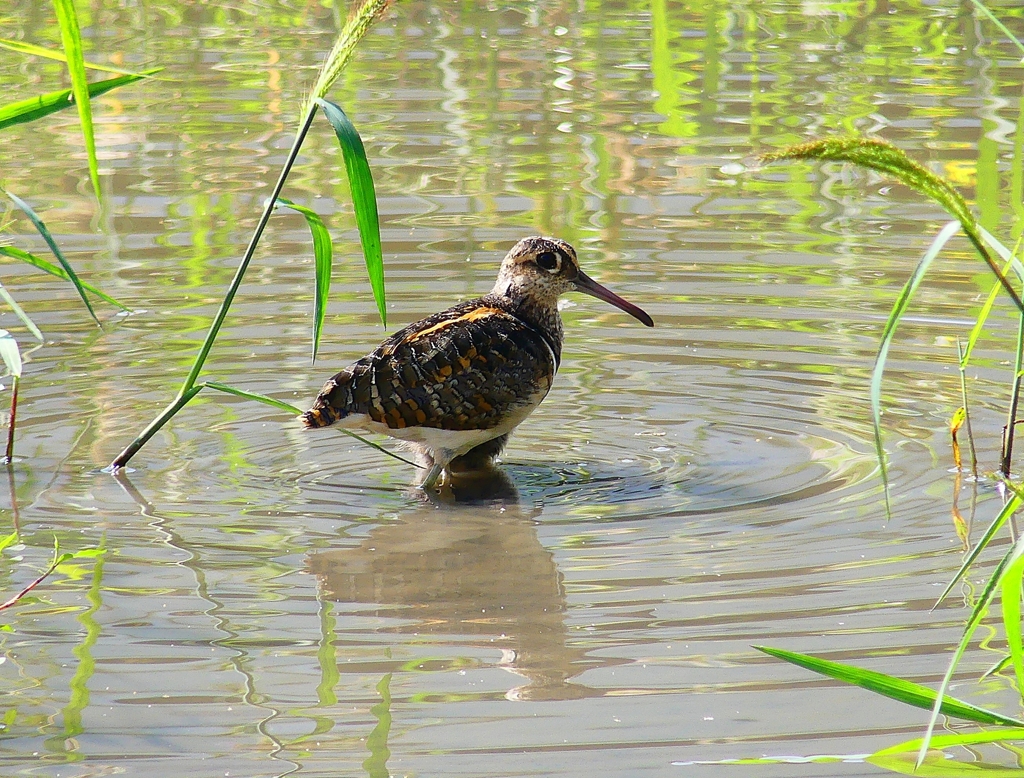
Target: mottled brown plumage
(454,385)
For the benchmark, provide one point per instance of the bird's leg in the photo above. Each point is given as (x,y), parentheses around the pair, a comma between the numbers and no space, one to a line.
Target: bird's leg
(432,475)
(441,459)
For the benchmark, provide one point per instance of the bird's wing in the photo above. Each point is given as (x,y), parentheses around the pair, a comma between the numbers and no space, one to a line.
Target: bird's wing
(466,368)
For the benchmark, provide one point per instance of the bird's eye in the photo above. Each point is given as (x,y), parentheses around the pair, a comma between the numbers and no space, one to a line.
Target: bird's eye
(549,261)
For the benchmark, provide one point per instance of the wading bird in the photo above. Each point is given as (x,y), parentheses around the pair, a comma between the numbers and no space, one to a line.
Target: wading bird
(454,385)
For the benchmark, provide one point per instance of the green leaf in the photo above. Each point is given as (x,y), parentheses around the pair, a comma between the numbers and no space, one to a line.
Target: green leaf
(898,308)
(364,199)
(38,51)
(55,270)
(889,686)
(8,540)
(72,276)
(38,107)
(71,38)
(10,353)
(323,256)
(19,312)
(885,158)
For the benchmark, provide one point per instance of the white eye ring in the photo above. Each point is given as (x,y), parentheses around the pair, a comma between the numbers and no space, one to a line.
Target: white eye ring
(550,261)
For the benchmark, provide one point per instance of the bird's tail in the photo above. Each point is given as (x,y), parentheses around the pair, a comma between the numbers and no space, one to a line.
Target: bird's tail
(322,414)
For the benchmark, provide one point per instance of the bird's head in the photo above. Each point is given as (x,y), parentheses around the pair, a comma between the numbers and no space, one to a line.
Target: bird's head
(543,269)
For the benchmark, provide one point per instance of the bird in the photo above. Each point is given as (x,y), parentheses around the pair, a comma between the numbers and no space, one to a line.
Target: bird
(453,386)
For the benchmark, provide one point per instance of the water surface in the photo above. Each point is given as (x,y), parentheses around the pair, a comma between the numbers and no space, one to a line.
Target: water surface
(278,602)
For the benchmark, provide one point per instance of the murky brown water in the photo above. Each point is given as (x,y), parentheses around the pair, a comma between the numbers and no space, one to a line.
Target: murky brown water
(275,602)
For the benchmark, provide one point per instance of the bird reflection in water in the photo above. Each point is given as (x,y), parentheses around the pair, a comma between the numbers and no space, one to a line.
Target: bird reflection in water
(473,568)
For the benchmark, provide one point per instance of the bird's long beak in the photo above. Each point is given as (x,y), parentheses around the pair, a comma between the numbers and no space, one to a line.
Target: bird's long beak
(588,285)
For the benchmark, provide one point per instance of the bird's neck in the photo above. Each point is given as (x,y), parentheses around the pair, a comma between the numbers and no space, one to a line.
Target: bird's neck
(539,314)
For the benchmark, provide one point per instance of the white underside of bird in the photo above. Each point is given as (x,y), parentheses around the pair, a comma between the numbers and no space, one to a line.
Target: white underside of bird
(438,447)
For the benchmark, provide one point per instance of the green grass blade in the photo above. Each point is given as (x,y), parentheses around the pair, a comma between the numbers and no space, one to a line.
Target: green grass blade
(1010,595)
(1002,27)
(888,686)
(37,107)
(980,609)
(71,38)
(363,198)
(10,353)
(957,739)
(72,276)
(56,270)
(887,159)
(323,255)
(900,306)
(1003,252)
(260,398)
(979,323)
(1008,510)
(58,56)
(20,313)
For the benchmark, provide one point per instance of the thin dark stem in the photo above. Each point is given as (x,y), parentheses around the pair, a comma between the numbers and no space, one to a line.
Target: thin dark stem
(154,426)
(188,388)
(9,456)
(1004,466)
(30,587)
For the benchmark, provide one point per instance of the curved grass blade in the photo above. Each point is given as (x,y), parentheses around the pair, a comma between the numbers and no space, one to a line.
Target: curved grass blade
(889,686)
(1003,252)
(1008,510)
(38,51)
(55,270)
(1010,595)
(323,256)
(51,102)
(885,158)
(1015,553)
(875,387)
(363,198)
(262,398)
(72,276)
(71,39)
(20,313)
(979,323)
